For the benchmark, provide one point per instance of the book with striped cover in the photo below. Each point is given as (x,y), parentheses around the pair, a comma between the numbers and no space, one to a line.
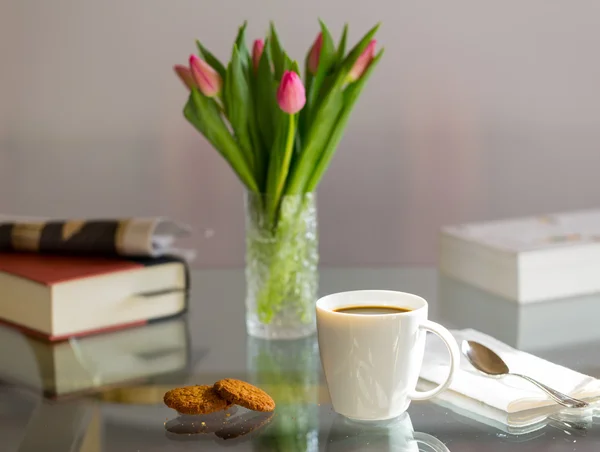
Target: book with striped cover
(149,237)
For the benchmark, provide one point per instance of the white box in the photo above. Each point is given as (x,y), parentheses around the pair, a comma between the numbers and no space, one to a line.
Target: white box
(527,259)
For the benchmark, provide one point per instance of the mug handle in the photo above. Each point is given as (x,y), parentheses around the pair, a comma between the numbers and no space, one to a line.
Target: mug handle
(454,351)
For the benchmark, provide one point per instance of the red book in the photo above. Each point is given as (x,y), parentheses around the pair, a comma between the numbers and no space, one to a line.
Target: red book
(57,297)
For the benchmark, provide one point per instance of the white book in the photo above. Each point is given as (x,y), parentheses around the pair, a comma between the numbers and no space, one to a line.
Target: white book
(528,259)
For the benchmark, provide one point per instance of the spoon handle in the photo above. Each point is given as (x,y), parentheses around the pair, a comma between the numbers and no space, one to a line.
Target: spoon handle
(559,397)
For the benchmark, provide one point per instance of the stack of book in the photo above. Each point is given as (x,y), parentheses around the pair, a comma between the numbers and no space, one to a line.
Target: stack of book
(515,278)
(65,284)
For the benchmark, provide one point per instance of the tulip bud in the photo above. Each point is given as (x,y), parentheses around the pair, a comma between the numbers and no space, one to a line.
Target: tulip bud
(257,51)
(185,75)
(290,94)
(207,79)
(363,61)
(315,54)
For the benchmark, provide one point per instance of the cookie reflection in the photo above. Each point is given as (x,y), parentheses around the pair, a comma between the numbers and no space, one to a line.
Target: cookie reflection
(244,424)
(395,435)
(231,424)
(186,424)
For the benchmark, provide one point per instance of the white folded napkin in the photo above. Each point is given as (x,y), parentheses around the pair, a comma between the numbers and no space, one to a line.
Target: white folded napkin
(508,394)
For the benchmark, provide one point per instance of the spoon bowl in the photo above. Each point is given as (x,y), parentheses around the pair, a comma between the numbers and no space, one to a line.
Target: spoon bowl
(484,359)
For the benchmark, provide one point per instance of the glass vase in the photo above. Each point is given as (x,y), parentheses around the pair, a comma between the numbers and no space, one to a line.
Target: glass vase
(281,266)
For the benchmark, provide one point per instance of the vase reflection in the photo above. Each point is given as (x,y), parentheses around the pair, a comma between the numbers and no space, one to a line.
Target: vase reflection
(289,371)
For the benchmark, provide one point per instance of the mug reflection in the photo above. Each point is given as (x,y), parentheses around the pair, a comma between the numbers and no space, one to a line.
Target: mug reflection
(396,435)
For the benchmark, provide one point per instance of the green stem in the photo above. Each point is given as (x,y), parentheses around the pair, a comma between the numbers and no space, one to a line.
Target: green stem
(287,157)
(219,102)
(280,163)
(284,260)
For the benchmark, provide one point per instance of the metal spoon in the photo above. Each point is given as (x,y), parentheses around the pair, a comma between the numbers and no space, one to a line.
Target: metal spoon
(488,362)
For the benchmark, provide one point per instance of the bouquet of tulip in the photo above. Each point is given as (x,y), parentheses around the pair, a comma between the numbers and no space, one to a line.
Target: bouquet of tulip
(278,134)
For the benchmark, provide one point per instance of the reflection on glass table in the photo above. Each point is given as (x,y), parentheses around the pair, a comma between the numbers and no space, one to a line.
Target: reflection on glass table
(397,435)
(112,396)
(289,372)
(80,365)
(532,326)
(544,329)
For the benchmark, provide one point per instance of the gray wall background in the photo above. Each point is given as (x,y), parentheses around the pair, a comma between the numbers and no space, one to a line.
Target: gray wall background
(479,110)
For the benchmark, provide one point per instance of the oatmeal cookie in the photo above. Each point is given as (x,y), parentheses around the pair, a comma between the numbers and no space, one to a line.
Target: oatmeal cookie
(244,394)
(199,399)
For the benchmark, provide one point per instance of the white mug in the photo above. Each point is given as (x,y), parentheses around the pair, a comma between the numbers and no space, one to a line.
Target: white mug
(372,362)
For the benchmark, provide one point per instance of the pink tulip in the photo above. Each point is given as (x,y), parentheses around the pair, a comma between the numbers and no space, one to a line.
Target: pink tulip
(257,51)
(185,75)
(363,61)
(290,94)
(315,54)
(208,80)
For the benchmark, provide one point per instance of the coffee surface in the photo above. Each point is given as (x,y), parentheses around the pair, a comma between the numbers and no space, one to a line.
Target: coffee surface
(372,310)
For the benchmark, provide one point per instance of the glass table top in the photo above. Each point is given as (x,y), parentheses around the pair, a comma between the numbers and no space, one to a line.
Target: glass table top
(45,407)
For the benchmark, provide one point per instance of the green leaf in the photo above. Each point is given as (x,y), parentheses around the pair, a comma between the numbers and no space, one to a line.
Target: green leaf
(298,140)
(333,81)
(287,63)
(351,95)
(267,110)
(258,144)
(321,122)
(277,53)
(279,163)
(203,113)
(237,101)
(341,52)
(295,68)
(357,50)
(258,147)
(240,42)
(308,80)
(211,59)
(327,58)
(307,74)
(316,138)
(338,78)
(318,115)
(267,48)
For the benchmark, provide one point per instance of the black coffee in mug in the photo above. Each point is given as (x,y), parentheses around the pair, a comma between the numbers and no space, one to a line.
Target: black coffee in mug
(371,310)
